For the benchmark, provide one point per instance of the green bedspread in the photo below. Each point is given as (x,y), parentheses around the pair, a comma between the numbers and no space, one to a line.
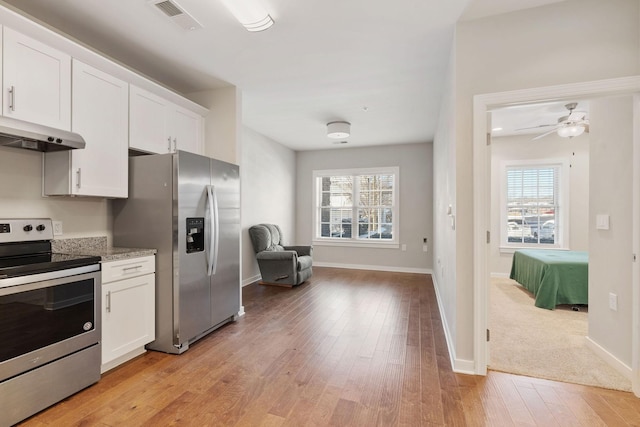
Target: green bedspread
(554,277)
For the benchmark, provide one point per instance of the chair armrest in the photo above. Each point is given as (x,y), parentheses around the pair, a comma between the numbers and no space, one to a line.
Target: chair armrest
(301,250)
(277,255)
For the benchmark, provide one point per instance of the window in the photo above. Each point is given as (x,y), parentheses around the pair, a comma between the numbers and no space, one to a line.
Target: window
(531,212)
(357,206)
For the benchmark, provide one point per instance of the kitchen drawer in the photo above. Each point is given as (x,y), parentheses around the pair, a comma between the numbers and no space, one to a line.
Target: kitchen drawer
(126,268)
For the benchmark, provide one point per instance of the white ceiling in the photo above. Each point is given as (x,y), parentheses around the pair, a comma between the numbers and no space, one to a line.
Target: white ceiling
(532,119)
(377,64)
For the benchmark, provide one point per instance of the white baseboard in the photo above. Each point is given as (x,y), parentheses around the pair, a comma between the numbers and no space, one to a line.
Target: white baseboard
(501,275)
(251,280)
(611,360)
(461,366)
(374,267)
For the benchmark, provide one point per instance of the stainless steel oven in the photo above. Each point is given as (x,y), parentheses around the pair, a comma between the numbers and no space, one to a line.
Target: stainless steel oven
(49,320)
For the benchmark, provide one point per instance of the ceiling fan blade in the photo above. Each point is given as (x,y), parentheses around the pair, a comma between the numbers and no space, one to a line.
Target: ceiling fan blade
(537,127)
(544,134)
(577,115)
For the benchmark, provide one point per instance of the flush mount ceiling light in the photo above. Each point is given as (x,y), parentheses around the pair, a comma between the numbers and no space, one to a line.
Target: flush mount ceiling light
(338,130)
(249,13)
(571,129)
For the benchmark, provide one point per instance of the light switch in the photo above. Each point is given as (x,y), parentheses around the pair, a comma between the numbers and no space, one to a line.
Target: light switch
(602,222)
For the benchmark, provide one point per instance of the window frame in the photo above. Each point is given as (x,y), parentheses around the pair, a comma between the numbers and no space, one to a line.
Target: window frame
(354,241)
(562,208)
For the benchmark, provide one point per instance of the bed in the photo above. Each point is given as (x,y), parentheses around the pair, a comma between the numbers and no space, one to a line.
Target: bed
(554,277)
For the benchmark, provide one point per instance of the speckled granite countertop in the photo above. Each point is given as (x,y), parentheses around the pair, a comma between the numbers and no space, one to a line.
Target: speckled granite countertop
(97,246)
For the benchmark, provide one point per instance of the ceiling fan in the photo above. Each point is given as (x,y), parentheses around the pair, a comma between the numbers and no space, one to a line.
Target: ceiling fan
(573,124)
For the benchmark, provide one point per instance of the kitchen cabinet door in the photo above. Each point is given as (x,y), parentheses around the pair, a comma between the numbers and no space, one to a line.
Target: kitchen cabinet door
(100,115)
(149,122)
(128,310)
(160,126)
(128,316)
(36,81)
(187,130)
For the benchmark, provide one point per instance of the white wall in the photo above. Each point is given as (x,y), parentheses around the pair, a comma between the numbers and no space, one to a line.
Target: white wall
(610,262)
(222,135)
(576,152)
(268,187)
(522,50)
(416,184)
(444,195)
(21,197)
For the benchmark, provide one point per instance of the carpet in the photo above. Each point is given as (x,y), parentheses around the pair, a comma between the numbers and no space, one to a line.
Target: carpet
(550,344)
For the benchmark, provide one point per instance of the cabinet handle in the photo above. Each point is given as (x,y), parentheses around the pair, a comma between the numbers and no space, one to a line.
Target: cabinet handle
(12,98)
(175,144)
(135,267)
(78,175)
(108,302)
(169,147)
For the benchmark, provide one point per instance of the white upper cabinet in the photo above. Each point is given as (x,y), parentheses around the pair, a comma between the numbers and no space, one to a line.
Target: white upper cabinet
(100,116)
(148,121)
(187,130)
(36,81)
(160,126)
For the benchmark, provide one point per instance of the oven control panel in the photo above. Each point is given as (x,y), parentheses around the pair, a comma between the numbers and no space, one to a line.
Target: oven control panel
(24,230)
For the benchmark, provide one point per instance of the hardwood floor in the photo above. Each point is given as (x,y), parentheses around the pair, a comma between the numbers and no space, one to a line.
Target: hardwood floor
(349,347)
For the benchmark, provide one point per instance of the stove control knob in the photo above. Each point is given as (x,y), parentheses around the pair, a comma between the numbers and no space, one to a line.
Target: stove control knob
(27,227)
(41,227)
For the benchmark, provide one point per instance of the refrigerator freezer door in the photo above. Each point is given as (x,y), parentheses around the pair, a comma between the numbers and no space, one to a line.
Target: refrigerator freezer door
(191,283)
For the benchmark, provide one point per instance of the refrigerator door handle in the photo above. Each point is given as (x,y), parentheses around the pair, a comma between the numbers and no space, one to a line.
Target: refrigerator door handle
(214,234)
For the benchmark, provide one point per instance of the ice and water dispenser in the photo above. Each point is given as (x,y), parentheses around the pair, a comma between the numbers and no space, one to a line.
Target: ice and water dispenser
(195,235)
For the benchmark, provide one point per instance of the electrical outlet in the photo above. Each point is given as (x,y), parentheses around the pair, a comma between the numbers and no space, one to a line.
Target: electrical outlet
(57,228)
(613,301)
(404,247)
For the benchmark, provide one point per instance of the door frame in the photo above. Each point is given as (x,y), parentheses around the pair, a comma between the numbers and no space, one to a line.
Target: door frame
(482,205)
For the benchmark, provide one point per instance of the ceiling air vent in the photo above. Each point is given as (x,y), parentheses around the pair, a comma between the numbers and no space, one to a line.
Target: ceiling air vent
(176,13)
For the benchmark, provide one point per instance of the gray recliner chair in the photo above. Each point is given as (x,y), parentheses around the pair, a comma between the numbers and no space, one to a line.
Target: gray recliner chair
(280,265)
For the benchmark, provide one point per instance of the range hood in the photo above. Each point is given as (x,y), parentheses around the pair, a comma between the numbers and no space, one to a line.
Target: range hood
(31,136)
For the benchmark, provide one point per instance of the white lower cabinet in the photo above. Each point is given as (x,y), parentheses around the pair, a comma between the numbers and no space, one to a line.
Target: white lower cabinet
(128,309)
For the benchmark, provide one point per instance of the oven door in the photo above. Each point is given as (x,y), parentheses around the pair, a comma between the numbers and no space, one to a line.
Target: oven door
(46,316)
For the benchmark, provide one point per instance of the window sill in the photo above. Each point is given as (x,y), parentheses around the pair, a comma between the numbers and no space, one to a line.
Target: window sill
(357,244)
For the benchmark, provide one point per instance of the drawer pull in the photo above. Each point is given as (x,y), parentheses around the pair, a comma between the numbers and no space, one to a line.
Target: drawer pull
(108,302)
(131,268)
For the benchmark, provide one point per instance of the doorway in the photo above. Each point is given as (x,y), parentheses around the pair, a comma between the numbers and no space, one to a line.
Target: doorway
(484,103)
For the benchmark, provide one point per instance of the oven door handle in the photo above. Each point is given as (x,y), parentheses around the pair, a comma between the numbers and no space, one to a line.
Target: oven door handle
(34,279)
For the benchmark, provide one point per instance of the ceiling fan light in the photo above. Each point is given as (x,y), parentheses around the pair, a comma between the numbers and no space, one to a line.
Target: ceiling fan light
(569,131)
(338,130)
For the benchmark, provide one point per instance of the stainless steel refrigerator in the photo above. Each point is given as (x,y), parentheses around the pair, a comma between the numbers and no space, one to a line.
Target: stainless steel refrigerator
(186,206)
